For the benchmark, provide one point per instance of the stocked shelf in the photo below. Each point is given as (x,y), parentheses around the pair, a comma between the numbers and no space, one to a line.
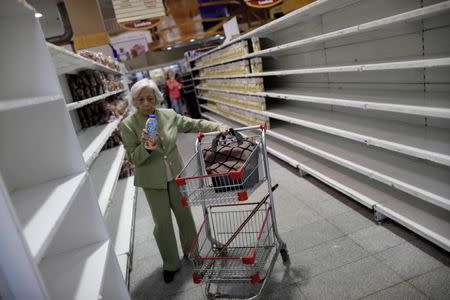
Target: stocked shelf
(105,173)
(413,15)
(93,138)
(432,104)
(78,104)
(422,180)
(41,217)
(394,65)
(77,274)
(69,62)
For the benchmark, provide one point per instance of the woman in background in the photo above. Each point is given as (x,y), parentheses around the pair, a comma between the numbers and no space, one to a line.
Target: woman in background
(174,88)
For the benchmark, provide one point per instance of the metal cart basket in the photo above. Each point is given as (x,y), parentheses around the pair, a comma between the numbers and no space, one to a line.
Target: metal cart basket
(238,241)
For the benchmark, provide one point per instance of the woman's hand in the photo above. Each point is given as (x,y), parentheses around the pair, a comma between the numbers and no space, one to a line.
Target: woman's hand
(224,129)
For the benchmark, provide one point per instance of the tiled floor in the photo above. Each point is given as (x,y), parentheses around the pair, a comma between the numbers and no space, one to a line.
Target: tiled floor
(336,250)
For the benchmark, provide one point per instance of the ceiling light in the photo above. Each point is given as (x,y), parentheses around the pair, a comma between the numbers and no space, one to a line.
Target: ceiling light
(192,40)
(37,15)
(169,48)
(221,37)
(218,35)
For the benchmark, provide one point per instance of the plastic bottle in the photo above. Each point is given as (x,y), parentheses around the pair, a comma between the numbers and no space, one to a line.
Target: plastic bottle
(152,129)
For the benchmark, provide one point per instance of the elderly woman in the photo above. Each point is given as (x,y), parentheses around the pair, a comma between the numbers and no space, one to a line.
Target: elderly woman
(155,169)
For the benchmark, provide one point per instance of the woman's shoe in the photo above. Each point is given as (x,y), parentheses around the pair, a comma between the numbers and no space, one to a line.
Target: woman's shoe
(169,275)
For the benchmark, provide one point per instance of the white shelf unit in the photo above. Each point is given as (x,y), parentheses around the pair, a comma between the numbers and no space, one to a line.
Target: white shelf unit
(104,166)
(56,243)
(358,95)
(121,221)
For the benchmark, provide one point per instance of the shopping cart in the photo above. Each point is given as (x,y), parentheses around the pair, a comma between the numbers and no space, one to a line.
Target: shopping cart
(238,241)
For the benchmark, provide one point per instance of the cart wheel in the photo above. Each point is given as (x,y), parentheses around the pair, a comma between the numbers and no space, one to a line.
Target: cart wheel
(284,255)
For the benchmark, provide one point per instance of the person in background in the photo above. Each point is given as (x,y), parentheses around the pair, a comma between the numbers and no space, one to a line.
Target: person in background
(174,88)
(155,169)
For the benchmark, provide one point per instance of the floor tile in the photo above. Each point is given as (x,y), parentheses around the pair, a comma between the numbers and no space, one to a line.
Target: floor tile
(402,291)
(351,281)
(291,292)
(150,282)
(327,256)
(196,293)
(435,284)
(310,235)
(376,238)
(329,207)
(350,222)
(408,261)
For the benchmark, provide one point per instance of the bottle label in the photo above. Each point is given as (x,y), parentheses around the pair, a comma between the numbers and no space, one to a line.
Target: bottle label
(152,129)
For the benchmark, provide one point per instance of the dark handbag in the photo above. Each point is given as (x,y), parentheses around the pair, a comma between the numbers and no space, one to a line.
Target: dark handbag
(230,154)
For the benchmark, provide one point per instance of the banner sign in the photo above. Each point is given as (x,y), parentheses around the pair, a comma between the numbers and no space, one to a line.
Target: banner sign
(138,10)
(262,3)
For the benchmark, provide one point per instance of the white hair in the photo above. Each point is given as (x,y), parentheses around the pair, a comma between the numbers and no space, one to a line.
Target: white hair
(137,88)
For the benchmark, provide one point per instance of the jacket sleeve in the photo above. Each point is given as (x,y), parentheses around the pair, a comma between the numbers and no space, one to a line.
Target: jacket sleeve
(186,124)
(136,152)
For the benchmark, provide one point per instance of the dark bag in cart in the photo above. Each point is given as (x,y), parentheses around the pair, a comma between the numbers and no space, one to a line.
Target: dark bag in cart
(229,155)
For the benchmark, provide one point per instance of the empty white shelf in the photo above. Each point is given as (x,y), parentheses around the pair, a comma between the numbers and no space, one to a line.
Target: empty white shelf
(69,62)
(409,16)
(418,178)
(9,104)
(78,104)
(419,141)
(393,65)
(433,104)
(76,274)
(300,15)
(105,172)
(123,261)
(426,220)
(120,216)
(42,208)
(93,138)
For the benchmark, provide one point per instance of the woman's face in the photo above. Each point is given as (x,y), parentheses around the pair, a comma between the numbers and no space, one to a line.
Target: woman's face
(146,101)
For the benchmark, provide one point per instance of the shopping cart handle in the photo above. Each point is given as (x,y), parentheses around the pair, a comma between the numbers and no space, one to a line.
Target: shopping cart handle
(235,129)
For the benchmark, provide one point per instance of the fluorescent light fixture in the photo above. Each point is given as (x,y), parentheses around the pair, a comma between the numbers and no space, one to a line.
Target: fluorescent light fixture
(192,40)
(221,37)
(169,48)
(218,35)
(37,15)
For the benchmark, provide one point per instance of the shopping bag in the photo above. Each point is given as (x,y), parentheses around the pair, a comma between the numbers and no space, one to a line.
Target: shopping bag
(228,154)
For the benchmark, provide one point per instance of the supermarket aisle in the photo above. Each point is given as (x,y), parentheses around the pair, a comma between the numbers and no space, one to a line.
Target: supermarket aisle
(336,250)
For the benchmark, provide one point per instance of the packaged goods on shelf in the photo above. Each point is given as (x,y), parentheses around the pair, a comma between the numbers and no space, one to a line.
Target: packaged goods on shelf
(241,115)
(90,83)
(102,112)
(240,84)
(256,44)
(235,68)
(245,101)
(113,141)
(100,58)
(233,51)
(127,169)
(113,83)
(256,65)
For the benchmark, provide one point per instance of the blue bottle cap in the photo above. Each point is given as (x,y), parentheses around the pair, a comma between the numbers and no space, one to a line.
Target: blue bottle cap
(152,116)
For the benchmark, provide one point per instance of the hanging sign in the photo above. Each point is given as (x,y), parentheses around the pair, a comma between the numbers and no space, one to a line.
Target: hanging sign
(141,24)
(140,13)
(262,3)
